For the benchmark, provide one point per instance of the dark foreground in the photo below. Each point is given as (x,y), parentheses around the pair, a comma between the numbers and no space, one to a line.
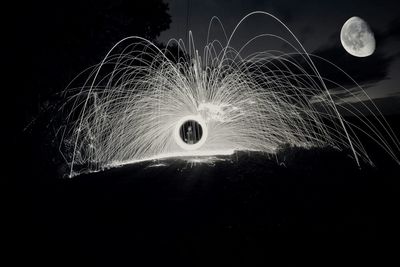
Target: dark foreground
(244,211)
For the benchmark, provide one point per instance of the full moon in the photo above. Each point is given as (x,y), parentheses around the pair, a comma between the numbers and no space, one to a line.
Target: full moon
(357,37)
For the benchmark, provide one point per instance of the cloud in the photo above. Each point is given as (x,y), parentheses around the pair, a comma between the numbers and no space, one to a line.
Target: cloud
(392,32)
(364,71)
(387,105)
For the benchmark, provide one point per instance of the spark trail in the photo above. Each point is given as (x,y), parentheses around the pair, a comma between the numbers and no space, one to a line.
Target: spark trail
(142,102)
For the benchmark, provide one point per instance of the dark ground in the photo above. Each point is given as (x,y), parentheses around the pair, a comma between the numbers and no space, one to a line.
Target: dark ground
(246,210)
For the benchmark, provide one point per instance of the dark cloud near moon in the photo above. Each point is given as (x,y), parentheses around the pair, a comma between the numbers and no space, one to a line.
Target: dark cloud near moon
(394,28)
(392,32)
(387,105)
(363,70)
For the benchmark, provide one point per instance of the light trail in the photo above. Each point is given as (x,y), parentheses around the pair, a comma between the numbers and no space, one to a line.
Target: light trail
(142,102)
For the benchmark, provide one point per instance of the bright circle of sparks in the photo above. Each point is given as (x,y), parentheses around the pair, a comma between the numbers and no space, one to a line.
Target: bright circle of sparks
(178,139)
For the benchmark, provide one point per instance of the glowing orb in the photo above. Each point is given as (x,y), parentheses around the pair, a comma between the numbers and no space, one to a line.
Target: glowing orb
(199,134)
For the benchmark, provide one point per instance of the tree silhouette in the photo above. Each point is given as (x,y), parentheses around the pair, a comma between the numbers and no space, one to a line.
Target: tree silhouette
(66,37)
(56,41)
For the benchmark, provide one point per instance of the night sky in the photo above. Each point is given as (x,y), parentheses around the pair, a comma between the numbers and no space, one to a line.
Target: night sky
(317,24)
(62,39)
